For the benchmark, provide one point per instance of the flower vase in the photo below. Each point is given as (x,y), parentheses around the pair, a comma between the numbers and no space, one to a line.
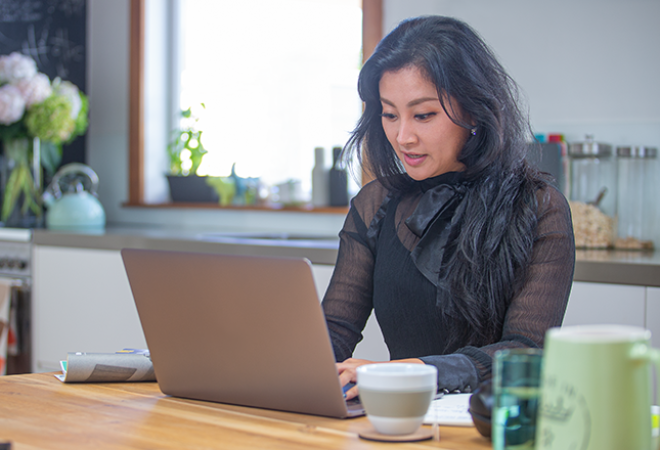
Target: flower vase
(20,184)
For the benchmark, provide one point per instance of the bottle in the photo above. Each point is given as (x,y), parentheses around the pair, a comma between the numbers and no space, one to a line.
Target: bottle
(320,180)
(338,181)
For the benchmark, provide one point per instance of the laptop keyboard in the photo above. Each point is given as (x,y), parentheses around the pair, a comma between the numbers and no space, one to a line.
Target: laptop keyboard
(354,404)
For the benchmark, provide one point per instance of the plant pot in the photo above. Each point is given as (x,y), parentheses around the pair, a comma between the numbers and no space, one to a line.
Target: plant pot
(191,189)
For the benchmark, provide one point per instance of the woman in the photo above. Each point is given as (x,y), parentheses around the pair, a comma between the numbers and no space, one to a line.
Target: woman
(458,245)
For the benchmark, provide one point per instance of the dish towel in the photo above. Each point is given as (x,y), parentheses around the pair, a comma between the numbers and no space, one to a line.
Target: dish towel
(5,301)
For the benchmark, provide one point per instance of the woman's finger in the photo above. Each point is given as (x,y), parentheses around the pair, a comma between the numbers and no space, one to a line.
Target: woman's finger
(352,392)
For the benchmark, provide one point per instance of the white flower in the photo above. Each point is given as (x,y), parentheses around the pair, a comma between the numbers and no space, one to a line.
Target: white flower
(72,94)
(16,66)
(35,89)
(12,104)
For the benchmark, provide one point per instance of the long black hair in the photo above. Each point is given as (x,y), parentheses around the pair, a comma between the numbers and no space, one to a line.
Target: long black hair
(492,238)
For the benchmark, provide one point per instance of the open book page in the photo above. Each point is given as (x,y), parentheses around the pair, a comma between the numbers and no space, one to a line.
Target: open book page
(124,366)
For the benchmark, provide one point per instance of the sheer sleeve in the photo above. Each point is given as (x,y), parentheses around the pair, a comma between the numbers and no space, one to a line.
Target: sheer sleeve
(347,303)
(542,301)
(539,305)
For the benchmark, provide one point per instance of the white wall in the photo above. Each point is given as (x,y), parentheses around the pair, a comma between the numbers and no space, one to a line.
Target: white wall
(586,66)
(157,116)
(107,84)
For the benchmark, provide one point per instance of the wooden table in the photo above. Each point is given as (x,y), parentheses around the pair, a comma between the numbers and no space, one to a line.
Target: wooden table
(37,411)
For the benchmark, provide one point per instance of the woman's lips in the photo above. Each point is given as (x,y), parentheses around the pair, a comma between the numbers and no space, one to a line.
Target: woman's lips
(413,159)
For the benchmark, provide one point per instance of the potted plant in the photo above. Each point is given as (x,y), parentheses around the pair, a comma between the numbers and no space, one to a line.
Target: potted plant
(185,152)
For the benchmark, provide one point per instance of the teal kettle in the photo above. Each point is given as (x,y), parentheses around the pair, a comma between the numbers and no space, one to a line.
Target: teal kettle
(71,200)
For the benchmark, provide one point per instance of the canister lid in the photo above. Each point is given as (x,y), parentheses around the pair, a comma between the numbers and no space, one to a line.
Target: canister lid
(638,151)
(589,148)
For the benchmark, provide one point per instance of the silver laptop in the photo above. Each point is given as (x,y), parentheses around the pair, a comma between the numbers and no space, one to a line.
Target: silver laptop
(244,330)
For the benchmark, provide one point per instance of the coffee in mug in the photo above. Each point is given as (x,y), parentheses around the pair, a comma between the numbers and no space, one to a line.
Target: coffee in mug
(596,389)
(396,396)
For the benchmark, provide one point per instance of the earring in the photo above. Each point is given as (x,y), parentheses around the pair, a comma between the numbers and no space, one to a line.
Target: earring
(474,131)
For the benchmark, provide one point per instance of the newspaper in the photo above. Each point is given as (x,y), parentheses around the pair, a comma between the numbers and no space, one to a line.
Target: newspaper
(124,366)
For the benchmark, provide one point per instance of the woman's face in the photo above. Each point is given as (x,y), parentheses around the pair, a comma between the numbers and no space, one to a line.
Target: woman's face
(424,138)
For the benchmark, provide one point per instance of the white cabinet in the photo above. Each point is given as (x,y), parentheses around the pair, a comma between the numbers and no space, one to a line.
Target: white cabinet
(82,302)
(653,314)
(594,303)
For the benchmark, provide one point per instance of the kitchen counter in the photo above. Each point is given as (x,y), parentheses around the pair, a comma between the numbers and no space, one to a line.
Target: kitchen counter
(318,249)
(633,267)
(598,266)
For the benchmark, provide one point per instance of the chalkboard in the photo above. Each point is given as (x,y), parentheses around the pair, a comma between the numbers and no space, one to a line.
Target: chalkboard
(53,33)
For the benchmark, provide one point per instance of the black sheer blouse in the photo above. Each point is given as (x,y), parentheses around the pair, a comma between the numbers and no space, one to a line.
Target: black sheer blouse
(390,250)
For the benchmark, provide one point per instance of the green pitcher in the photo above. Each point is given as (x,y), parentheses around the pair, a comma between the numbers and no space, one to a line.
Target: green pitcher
(596,389)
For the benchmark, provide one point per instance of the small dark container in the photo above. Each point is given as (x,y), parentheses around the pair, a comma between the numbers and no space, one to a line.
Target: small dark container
(481,408)
(191,189)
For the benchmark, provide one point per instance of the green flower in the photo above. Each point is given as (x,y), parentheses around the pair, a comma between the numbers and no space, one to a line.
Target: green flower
(81,120)
(51,120)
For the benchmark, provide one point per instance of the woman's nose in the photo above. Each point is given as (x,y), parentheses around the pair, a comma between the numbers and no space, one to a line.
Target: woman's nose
(406,133)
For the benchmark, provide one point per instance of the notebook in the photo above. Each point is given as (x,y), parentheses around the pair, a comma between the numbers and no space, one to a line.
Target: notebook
(243,330)
(451,410)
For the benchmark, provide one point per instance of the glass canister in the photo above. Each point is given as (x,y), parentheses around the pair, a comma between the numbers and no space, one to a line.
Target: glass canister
(637,170)
(593,183)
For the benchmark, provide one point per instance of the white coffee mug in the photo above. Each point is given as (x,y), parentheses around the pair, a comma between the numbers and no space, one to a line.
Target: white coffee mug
(397,396)
(596,389)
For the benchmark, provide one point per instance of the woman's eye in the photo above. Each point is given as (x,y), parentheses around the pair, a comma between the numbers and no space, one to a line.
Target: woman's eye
(388,116)
(424,116)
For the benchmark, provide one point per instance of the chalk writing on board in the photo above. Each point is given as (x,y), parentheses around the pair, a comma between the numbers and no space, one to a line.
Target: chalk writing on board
(34,10)
(53,33)
(20,11)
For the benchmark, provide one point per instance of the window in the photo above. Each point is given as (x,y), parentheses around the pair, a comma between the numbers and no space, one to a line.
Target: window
(278,78)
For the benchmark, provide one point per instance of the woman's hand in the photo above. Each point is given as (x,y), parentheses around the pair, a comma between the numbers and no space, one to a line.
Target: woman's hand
(348,372)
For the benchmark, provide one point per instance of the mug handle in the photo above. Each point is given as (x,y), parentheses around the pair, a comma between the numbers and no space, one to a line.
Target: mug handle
(647,353)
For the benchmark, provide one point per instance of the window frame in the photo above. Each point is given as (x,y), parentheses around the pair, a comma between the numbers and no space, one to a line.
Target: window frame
(372,32)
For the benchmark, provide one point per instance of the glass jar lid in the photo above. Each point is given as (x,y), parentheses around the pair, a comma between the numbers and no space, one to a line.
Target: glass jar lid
(638,151)
(589,148)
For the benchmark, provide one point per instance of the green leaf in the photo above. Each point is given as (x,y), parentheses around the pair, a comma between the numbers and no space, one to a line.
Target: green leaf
(14,131)
(51,157)
(29,194)
(12,190)
(197,152)
(187,138)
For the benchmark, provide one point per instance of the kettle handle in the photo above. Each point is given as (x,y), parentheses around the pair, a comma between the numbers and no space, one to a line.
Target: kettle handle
(54,186)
